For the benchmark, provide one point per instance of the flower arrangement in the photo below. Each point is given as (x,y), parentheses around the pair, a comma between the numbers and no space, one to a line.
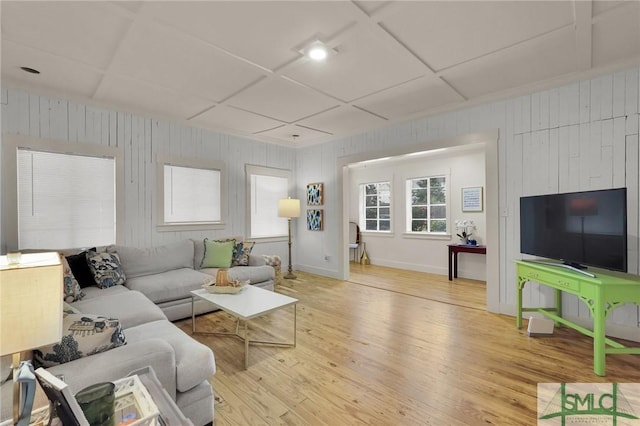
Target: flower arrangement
(464,228)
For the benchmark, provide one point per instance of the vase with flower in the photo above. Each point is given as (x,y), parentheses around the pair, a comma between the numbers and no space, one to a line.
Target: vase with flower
(464,228)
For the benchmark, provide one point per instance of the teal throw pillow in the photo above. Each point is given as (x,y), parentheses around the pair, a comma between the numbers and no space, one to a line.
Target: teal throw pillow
(217,254)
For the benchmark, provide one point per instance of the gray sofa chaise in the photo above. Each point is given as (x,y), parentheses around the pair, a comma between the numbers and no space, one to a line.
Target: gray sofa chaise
(183,365)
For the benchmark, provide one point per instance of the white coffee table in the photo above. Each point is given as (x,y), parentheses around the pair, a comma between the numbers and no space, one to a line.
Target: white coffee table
(251,302)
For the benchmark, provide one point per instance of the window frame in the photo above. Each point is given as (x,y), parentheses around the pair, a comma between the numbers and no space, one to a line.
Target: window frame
(11,144)
(161,162)
(250,170)
(362,219)
(409,207)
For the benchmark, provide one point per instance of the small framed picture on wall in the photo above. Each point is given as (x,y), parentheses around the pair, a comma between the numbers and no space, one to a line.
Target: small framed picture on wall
(315,219)
(315,194)
(472,199)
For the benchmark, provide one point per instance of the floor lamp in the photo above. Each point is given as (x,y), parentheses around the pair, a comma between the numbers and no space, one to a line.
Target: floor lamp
(30,317)
(289,208)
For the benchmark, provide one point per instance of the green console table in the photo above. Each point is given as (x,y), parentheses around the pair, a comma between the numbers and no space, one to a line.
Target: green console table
(602,293)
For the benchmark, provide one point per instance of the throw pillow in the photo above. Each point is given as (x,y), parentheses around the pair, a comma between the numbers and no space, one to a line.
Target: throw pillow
(83,335)
(80,268)
(106,269)
(217,254)
(68,309)
(72,290)
(241,252)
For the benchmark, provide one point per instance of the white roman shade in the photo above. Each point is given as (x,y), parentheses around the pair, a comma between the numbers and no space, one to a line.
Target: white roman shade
(191,195)
(65,200)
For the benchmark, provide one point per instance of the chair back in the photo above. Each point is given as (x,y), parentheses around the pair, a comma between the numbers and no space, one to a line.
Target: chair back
(354,233)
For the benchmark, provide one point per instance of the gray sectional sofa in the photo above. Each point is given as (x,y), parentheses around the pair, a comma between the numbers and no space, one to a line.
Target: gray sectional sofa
(156,292)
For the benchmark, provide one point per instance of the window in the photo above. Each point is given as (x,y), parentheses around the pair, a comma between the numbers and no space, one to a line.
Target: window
(266,187)
(427,205)
(192,195)
(376,206)
(65,200)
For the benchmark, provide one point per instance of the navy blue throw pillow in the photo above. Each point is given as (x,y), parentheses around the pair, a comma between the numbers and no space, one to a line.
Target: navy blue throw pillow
(80,269)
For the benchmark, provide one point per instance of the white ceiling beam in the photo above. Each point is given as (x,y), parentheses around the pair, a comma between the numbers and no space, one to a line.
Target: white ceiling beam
(583,14)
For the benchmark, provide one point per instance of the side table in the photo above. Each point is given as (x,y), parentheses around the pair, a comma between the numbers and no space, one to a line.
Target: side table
(454,249)
(169,411)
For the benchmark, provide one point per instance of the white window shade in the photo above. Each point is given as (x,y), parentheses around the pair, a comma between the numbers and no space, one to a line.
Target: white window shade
(65,200)
(191,195)
(266,191)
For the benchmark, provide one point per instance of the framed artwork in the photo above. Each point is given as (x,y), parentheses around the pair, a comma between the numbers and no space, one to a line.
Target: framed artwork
(472,199)
(314,194)
(315,219)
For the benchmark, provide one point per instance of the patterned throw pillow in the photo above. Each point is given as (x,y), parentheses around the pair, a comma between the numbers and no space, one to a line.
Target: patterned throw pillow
(72,290)
(83,335)
(241,253)
(106,269)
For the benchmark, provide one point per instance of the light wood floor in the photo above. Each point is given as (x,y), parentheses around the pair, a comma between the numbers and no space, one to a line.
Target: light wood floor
(393,347)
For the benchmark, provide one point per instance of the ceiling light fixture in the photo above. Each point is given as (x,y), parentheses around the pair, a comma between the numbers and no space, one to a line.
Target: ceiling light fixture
(318,51)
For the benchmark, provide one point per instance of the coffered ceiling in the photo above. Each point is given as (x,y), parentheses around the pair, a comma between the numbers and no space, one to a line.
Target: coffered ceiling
(238,66)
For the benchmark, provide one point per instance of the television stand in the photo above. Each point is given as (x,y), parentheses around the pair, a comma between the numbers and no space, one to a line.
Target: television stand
(575,268)
(601,296)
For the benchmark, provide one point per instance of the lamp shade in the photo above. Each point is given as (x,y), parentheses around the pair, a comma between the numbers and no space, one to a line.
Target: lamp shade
(289,207)
(30,302)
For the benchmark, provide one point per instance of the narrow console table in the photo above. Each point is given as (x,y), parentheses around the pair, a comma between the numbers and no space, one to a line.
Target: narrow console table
(454,249)
(602,293)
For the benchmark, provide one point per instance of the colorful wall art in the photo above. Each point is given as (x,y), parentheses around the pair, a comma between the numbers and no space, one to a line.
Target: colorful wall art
(315,219)
(314,194)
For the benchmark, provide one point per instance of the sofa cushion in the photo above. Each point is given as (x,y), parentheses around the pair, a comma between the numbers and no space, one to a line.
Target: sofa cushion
(80,268)
(72,289)
(132,308)
(194,361)
(138,262)
(255,274)
(106,269)
(83,335)
(170,285)
(217,254)
(91,292)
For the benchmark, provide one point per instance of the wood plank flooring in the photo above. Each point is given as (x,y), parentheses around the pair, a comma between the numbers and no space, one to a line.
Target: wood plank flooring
(393,347)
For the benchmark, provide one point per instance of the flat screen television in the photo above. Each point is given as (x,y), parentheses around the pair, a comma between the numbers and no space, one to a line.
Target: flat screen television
(578,228)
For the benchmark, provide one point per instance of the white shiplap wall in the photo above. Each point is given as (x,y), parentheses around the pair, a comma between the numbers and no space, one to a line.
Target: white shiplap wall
(142,139)
(576,137)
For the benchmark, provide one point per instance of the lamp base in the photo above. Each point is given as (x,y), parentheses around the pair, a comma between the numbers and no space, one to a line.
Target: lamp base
(290,276)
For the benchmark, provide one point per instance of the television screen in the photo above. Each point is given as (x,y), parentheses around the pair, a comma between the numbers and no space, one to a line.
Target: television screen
(579,228)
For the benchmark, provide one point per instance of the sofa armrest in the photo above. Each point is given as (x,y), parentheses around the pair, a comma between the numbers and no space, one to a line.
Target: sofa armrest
(119,362)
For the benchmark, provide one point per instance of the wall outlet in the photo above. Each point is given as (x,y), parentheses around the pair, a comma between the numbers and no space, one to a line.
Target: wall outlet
(327,257)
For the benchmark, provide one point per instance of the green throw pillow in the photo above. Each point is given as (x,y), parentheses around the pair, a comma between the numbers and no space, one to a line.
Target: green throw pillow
(217,254)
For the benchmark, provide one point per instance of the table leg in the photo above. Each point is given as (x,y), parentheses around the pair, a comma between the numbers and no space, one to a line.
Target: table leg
(558,301)
(519,286)
(246,345)
(599,337)
(455,265)
(450,254)
(295,320)
(193,316)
